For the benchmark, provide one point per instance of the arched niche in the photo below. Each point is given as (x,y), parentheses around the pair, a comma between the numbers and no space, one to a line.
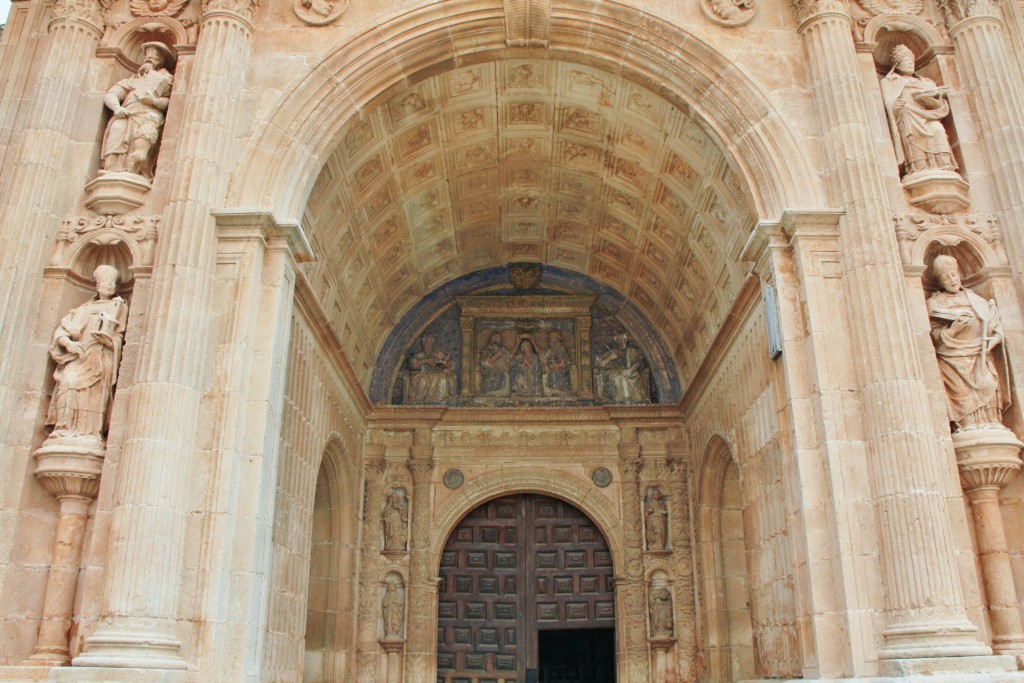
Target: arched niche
(727,640)
(330,610)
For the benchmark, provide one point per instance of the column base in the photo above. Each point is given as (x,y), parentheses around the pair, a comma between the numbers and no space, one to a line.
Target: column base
(24,674)
(143,651)
(929,666)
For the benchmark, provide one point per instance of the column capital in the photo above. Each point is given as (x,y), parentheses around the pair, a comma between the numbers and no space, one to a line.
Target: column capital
(806,10)
(958,13)
(255,224)
(240,9)
(92,13)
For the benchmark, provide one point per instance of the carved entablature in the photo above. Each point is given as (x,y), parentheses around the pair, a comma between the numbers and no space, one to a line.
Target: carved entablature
(915,232)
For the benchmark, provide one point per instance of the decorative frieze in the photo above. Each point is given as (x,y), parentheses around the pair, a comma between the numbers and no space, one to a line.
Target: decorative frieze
(524,438)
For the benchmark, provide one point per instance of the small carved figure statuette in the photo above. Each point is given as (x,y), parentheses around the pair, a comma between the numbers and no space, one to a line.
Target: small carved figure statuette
(87,349)
(395,520)
(915,107)
(138,103)
(393,608)
(967,335)
(659,603)
(656,519)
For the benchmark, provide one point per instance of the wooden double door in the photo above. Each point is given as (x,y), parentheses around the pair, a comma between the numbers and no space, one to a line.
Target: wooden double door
(517,567)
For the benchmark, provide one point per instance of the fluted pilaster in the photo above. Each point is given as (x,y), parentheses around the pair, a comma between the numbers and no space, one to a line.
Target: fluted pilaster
(421,634)
(144,573)
(36,193)
(924,602)
(996,95)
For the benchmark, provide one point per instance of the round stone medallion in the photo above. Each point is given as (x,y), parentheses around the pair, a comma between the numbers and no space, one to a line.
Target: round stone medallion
(453,478)
(602,476)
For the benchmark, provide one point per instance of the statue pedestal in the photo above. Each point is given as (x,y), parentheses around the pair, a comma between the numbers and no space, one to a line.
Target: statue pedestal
(116,193)
(988,458)
(937,191)
(69,469)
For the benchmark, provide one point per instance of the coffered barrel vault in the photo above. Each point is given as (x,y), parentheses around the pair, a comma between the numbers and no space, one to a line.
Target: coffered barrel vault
(683,341)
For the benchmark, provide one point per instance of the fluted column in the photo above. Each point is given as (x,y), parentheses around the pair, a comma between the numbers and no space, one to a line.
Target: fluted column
(992,84)
(141,596)
(36,193)
(421,631)
(923,599)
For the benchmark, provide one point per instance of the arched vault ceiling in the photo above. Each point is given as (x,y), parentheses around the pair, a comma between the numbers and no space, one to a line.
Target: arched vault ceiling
(527,160)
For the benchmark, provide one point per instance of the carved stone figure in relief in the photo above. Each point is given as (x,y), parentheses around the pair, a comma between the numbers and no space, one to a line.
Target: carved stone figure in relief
(87,349)
(393,609)
(556,367)
(495,365)
(395,520)
(138,103)
(915,107)
(966,332)
(433,375)
(526,370)
(156,8)
(621,373)
(659,602)
(656,518)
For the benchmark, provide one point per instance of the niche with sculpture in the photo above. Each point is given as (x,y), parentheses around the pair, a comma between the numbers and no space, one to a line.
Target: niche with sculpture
(395,521)
(918,114)
(392,608)
(967,334)
(137,105)
(659,607)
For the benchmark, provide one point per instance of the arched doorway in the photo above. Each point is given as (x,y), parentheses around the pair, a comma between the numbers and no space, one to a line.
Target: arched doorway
(526,595)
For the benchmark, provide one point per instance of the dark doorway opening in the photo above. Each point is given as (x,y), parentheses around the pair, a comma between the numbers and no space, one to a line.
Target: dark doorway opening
(576,656)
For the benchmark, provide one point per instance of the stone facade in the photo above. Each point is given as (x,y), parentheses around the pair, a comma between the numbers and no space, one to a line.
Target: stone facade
(740,280)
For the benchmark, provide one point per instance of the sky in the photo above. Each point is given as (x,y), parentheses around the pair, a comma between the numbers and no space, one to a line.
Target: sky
(5,7)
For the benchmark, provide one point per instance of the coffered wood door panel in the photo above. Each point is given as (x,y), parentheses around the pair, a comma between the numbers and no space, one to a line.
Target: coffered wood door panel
(512,567)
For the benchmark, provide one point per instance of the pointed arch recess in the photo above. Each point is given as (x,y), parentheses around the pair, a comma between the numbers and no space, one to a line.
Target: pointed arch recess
(286,153)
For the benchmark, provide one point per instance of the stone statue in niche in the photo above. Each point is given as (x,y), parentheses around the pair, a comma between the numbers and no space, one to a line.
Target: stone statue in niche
(656,518)
(966,332)
(87,349)
(915,107)
(621,374)
(138,103)
(393,609)
(432,379)
(394,520)
(659,603)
